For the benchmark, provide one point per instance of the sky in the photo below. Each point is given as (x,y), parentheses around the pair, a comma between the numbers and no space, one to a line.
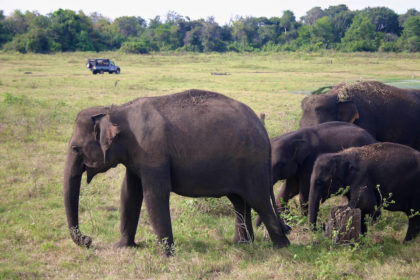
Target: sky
(221,10)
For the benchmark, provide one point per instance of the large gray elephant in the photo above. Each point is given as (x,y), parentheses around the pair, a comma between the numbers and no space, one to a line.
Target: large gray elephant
(388,113)
(376,173)
(194,143)
(293,155)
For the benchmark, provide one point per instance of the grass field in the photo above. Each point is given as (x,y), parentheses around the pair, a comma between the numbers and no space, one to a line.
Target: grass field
(40,96)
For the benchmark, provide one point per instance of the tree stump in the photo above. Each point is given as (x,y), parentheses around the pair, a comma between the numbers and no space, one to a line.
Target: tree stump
(344,225)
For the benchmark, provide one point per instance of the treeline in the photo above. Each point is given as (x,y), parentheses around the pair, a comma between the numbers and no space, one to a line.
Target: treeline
(337,27)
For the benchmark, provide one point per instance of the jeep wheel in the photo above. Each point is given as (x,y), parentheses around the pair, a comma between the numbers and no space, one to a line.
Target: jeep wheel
(118,71)
(94,72)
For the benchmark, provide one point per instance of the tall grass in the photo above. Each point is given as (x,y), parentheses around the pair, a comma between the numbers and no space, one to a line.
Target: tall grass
(40,96)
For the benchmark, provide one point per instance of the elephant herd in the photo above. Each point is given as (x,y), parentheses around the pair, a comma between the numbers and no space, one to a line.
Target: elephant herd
(364,136)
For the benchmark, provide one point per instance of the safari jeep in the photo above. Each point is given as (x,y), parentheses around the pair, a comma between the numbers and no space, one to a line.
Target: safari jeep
(101,65)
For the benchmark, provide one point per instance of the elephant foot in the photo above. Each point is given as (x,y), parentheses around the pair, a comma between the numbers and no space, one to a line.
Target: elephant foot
(413,228)
(281,244)
(84,241)
(286,228)
(80,239)
(123,243)
(168,250)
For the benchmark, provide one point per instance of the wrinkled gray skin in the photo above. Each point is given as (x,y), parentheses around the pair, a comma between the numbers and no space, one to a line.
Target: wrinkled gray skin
(194,143)
(394,167)
(388,113)
(293,155)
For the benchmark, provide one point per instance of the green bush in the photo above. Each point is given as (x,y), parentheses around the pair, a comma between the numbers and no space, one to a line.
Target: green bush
(390,47)
(134,47)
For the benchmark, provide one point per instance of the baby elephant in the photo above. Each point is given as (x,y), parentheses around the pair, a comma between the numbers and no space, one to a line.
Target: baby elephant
(293,155)
(374,173)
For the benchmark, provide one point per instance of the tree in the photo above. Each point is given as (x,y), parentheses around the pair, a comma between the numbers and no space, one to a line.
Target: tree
(304,36)
(385,19)
(410,13)
(323,32)
(332,11)
(341,18)
(16,23)
(245,32)
(410,38)
(35,40)
(65,28)
(84,43)
(361,35)
(130,26)
(288,27)
(212,36)
(106,36)
(313,15)
(5,34)
(193,38)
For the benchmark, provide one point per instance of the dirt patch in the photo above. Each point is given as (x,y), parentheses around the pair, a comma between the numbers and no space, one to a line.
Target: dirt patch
(369,151)
(346,91)
(193,97)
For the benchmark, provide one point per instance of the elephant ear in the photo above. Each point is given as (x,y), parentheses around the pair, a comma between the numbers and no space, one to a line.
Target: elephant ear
(347,111)
(104,131)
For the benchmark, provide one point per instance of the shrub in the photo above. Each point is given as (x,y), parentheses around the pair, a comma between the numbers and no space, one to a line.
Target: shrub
(134,47)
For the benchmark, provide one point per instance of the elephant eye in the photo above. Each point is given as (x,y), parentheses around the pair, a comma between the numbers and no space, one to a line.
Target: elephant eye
(76,149)
(318,181)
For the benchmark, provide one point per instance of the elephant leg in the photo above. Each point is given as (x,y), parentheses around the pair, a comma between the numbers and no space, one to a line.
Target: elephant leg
(303,200)
(365,199)
(243,223)
(413,228)
(289,189)
(160,218)
(363,223)
(270,220)
(156,190)
(131,201)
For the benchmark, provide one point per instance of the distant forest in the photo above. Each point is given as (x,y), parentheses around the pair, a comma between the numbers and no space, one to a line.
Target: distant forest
(337,27)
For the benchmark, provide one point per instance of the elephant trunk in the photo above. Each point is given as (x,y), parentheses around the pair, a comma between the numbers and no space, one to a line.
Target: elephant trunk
(314,201)
(72,177)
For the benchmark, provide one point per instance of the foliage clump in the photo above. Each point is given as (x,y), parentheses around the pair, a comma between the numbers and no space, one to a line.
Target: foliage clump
(336,27)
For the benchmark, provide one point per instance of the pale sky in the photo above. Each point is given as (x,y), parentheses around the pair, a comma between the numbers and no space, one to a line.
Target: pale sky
(221,10)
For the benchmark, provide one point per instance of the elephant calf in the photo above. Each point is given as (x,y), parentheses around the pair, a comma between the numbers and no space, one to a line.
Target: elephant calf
(194,143)
(293,155)
(374,172)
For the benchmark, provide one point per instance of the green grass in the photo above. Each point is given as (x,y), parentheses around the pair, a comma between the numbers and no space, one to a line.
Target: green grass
(40,96)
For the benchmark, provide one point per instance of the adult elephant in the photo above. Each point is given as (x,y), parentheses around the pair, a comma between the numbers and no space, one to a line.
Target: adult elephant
(374,173)
(388,113)
(293,155)
(194,143)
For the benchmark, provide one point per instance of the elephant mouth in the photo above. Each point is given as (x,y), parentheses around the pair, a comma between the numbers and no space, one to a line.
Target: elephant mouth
(93,169)
(90,172)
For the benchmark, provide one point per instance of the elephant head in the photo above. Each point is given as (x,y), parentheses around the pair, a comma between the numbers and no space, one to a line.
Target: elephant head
(329,174)
(318,109)
(88,150)
(288,154)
